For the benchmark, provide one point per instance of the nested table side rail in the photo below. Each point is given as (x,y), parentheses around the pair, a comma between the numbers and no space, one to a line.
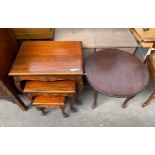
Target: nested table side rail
(18,80)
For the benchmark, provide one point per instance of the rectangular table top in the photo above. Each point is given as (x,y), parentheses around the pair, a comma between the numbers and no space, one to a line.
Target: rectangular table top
(48,58)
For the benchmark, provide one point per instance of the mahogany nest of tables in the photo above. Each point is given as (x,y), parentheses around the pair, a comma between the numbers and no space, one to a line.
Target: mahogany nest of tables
(42,65)
(116,73)
(48,61)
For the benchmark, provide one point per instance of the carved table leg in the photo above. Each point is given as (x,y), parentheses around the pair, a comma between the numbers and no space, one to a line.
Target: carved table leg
(95,99)
(31,99)
(72,108)
(43,113)
(17,82)
(79,85)
(152,96)
(30,96)
(63,112)
(124,105)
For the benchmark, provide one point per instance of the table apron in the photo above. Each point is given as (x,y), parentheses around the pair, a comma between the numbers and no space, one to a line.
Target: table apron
(48,77)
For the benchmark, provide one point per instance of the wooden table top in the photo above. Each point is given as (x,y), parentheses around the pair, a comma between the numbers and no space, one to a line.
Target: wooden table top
(48,58)
(116,73)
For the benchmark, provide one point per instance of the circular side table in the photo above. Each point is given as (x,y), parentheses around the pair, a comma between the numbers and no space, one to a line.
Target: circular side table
(116,73)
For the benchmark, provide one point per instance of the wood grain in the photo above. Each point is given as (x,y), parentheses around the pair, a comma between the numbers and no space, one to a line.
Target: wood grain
(8,51)
(48,77)
(50,87)
(45,101)
(33,33)
(116,73)
(48,58)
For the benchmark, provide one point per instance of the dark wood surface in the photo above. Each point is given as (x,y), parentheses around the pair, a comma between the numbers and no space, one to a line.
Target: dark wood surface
(48,58)
(8,51)
(116,73)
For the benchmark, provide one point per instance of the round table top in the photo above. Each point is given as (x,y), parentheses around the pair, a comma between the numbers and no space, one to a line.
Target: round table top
(116,73)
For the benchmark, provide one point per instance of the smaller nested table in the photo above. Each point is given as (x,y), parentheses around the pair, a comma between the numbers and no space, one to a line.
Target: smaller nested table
(116,73)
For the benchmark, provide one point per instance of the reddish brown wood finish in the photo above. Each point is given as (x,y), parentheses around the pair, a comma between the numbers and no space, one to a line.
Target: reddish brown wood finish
(8,51)
(43,102)
(40,61)
(116,73)
(46,101)
(150,60)
(48,77)
(48,58)
(149,100)
(50,87)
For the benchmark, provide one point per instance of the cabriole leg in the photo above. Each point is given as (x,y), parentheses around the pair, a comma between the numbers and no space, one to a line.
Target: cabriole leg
(63,112)
(152,96)
(124,105)
(72,108)
(95,99)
